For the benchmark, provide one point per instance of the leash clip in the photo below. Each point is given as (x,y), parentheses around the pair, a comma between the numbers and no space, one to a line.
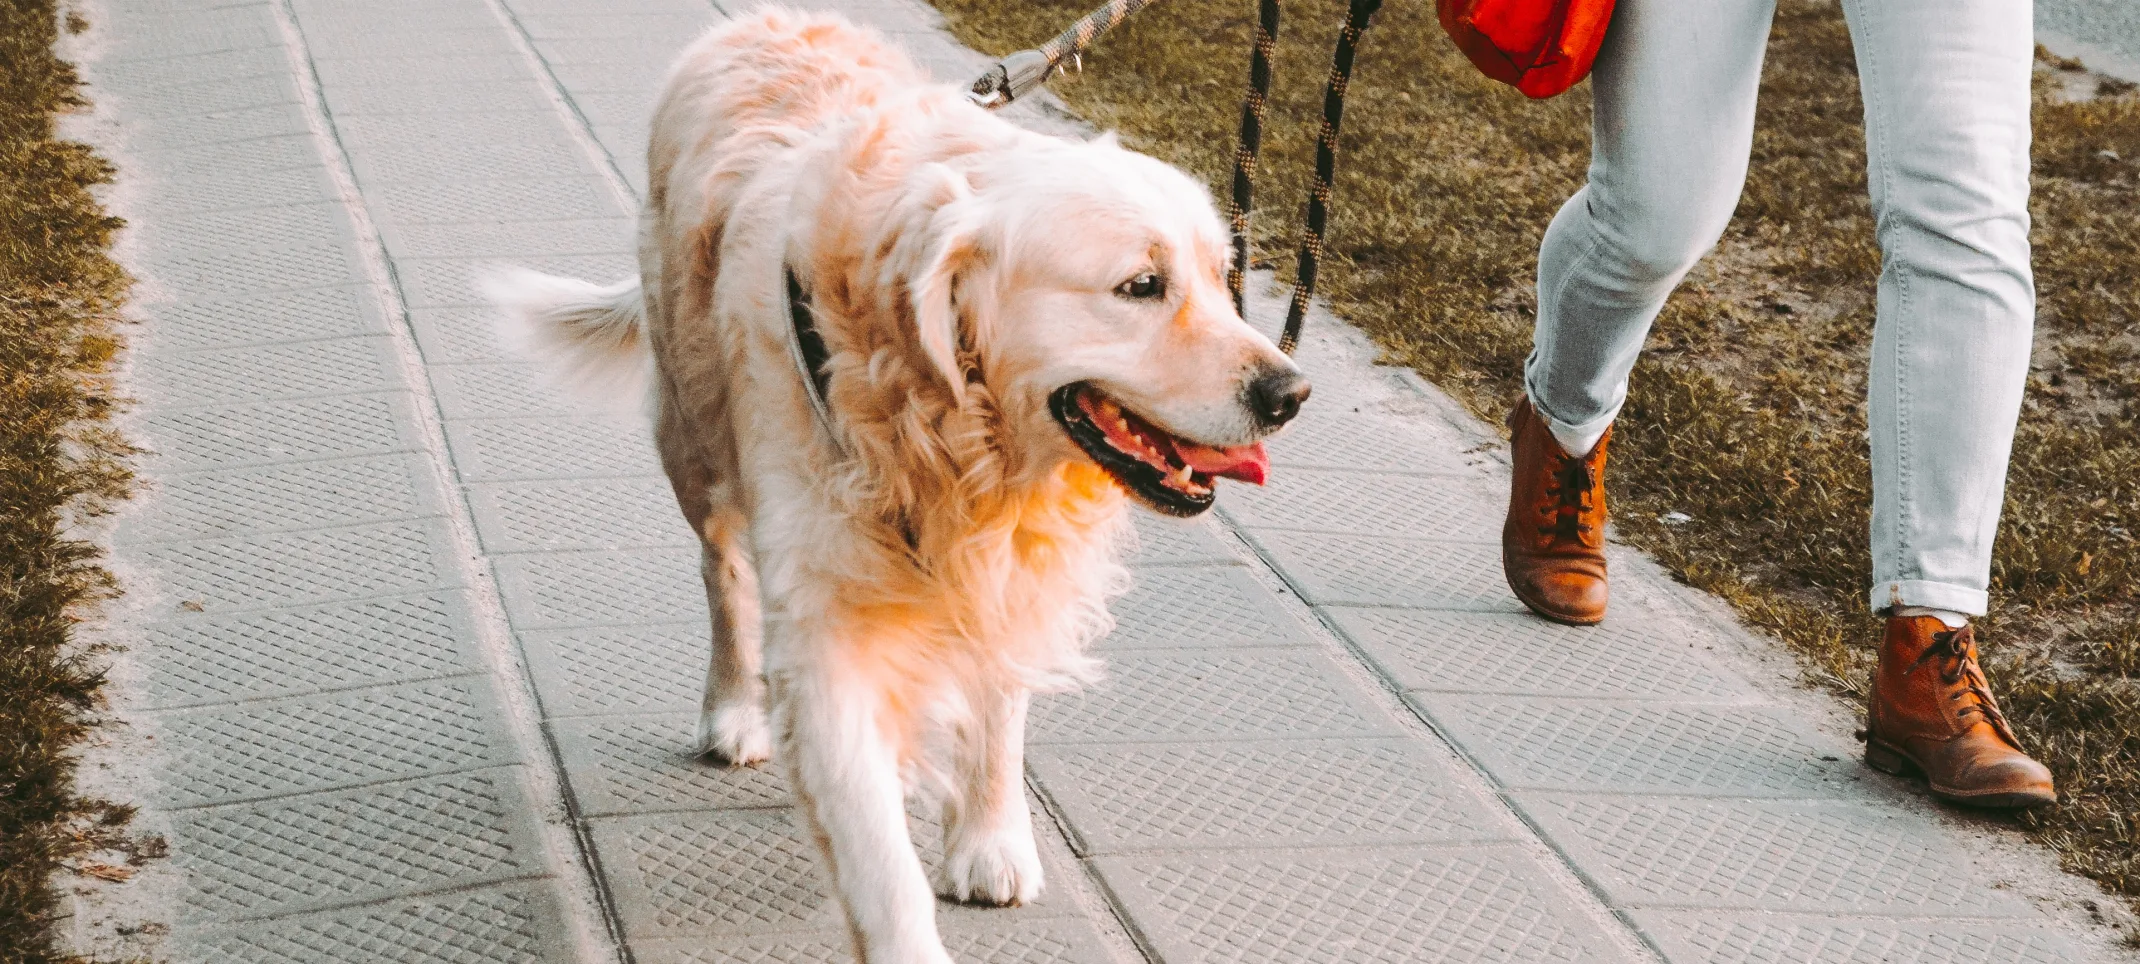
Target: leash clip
(1011,78)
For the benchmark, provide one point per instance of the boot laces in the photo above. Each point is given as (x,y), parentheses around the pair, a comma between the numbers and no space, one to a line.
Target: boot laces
(1956,651)
(1570,490)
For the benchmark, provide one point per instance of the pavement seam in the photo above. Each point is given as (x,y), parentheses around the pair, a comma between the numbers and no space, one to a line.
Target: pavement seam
(1502,795)
(568,852)
(577,127)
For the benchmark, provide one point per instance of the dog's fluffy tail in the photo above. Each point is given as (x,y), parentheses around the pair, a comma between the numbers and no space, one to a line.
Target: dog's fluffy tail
(593,336)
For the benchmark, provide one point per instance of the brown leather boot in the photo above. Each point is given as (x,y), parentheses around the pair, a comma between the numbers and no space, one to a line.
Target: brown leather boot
(1933,714)
(1553,543)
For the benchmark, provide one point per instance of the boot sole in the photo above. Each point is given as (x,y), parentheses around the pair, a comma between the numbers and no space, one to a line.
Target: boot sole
(1889,760)
(1534,606)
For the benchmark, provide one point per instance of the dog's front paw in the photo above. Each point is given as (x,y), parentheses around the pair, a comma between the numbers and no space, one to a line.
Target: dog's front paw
(1001,869)
(735,735)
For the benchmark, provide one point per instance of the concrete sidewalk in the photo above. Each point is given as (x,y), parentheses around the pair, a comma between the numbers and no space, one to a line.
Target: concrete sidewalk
(413,645)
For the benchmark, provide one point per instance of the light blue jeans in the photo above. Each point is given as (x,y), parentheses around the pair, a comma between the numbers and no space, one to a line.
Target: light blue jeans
(1946,89)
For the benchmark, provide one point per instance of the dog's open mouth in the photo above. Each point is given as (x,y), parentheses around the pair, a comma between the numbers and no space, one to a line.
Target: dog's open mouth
(1169,473)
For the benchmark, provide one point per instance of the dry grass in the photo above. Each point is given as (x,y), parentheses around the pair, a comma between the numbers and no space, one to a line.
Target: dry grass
(58,296)
(1748,411)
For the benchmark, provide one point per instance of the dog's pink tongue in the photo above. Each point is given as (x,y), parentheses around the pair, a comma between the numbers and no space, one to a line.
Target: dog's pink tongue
(1248,463)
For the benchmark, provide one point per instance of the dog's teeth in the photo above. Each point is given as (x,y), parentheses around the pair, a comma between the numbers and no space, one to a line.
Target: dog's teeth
(1183,476)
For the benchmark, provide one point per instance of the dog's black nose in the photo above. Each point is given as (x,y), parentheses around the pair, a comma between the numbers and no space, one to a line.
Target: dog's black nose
(1275,395)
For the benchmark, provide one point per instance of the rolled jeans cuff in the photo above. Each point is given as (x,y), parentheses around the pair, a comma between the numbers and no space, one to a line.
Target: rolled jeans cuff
(1931,595)
(1570,435)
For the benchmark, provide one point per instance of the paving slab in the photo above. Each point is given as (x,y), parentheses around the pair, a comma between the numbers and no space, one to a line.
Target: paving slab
(1386,904)
(1368,792)
(1519,655)
(1802,856)
(1709,937)
(1195,607)
(415,640)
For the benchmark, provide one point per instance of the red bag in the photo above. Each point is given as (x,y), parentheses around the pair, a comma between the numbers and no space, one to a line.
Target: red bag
(1540,47)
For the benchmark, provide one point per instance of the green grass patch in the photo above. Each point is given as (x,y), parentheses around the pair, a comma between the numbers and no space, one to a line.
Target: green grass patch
(1748,412)
(59,294)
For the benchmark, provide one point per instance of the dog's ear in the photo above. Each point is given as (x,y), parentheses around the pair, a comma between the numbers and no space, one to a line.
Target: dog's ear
(954,248)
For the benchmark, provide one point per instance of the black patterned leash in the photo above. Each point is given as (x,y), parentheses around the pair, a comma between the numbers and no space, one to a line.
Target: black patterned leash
(1025,71)
(1311,246)
(1253,109)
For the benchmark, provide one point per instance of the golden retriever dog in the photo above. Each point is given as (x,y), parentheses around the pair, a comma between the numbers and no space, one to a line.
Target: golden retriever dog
(1021,334)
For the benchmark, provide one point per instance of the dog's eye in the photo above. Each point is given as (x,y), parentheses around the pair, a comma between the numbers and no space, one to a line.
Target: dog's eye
(1143,287)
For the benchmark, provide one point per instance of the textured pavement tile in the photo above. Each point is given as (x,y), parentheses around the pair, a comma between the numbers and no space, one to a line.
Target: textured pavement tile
(561,589)
(517,239)
(230,191)
(620,669)
(282,498)
(259,319)
(1359,571)
(213,95)
(443,97)
(980,942)
(499,924)
(1201,606)
(1163,541)
(487,200)
(689,21)
(1235,694)
(337,849)
(626,513)
(337,73)
(290,431)
(235,376)
(553,448)
(291,652)
(1275,793)
(434,282)
(252,158)
(351,41)
(168,236)
(1358,503)
(648,764)
(212,274)
(1520,654)
(1327,435)
(401,132)
(296,568)
(495,390)
(731,873)
(458,335)
(1742,751)
(427,165)
(226,128)
(1706,937)
(300,568)
(132,75)
(1832,857)
(1387,904)
(342,739)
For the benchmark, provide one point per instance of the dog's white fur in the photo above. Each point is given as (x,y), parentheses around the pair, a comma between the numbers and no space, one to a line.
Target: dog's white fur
(943,549)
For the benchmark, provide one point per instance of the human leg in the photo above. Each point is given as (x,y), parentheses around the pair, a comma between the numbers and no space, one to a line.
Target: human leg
(1946,87)
(1674,92)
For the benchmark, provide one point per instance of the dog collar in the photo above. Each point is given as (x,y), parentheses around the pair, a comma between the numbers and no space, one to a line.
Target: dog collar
(807,349)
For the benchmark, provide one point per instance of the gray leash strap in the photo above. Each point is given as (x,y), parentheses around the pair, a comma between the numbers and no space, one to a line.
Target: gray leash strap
(1025,71)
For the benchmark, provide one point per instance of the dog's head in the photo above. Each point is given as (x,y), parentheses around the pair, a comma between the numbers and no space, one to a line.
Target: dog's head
(1084,284)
